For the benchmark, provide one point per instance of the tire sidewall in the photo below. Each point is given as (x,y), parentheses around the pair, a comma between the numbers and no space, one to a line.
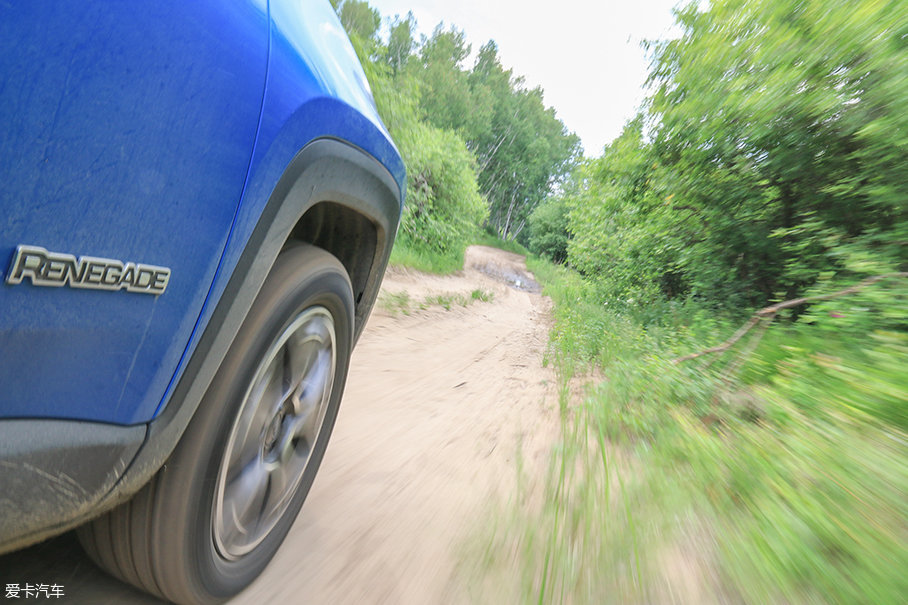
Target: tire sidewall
(302,278)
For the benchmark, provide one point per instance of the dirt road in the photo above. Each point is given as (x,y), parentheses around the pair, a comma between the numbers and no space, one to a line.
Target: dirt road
(439,405)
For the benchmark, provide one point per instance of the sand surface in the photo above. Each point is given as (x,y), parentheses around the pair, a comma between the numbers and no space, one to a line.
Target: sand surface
(437,404)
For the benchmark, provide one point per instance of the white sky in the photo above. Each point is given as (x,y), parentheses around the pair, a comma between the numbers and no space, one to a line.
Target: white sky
(585,54)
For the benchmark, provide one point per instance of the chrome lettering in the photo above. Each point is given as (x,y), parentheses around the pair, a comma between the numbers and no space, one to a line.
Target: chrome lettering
(55,269)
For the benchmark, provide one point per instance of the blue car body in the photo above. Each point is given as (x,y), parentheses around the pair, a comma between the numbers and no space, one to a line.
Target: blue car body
(194,136)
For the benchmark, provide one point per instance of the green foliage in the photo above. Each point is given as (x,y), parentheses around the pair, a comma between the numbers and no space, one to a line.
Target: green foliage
(445,99)
(549,230)
(359,19)
(523,150)
(785,482)
(425,260)
(621,226)
(767,164)
(491,239)
(401,42)
(769,159)
(770,116)
(479,148)
(443,206)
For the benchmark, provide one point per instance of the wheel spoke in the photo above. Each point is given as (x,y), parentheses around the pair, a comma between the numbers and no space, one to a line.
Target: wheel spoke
(312,388)
(280,479)
(262,402)
(301,354)
(243,500)
(287,374)
(297,444)
(273,438)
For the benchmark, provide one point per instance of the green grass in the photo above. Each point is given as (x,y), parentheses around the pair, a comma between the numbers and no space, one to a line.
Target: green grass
(482,295)
(425,260)
(395,303)
(783,481)
(445,300)
(400,302)
(430,261)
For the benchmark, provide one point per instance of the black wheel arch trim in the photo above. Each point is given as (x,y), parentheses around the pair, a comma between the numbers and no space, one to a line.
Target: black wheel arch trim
(325,170)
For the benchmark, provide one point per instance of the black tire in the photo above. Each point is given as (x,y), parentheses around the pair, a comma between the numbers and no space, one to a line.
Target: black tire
(175,538)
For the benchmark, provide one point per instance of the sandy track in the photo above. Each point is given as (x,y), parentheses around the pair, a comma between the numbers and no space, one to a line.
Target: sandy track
(439,404)
(436,407)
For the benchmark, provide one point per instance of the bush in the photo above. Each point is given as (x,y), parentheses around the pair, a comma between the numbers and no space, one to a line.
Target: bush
(443,205)
(549,230)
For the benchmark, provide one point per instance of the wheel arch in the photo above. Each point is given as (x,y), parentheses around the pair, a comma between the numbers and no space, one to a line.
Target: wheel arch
(335,197)
(332,195)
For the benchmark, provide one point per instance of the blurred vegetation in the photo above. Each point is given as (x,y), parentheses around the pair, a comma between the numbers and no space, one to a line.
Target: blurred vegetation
(767,164)
(769,158)
(771,473)
(488,238)
(549,233)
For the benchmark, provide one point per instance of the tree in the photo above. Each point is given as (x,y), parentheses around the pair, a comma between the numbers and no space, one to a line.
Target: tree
(548,225)
(445,96)
(623,232)
(782,123)
(774,158)
(517,149)
(443,206)
(359,18)
(401,42)
(522,148)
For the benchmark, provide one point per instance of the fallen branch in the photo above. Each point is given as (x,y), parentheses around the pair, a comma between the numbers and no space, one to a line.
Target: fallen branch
(732,369)
(767,314)
(725,345)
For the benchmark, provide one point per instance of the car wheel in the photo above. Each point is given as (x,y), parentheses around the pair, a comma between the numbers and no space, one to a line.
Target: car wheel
(219,508)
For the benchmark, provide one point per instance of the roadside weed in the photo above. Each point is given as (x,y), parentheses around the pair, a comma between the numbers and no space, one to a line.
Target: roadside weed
(448,299)
(782,482)
(401,303)
(395,302)
(482,295)
(427,261)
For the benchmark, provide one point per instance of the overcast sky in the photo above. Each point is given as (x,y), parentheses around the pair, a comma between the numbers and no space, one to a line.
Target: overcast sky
(585,54)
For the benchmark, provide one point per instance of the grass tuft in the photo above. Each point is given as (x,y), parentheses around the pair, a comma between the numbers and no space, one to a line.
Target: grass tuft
(397,303)
(425,260)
